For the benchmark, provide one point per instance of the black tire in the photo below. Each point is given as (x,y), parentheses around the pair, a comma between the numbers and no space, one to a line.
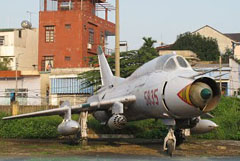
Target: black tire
(170,147)
(179,137)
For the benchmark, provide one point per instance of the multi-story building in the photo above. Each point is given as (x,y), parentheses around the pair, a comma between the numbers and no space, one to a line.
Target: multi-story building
(21,46)
(70,31)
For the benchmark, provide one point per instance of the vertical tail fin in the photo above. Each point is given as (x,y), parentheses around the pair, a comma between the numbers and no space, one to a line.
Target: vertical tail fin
(105,71)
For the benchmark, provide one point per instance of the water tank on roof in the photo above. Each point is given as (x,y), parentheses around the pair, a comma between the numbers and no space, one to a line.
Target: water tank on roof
(26,24)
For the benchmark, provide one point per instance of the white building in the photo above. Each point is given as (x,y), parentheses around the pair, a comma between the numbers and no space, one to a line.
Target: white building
(21,44)
(225,40)
(28,84)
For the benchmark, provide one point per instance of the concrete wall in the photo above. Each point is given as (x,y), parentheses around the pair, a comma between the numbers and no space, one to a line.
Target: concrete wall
(26,45)
(25,109)
(44,83)
(56,100)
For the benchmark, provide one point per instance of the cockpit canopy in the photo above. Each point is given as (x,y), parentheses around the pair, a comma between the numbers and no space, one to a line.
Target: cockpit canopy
(168,63)
(174,63)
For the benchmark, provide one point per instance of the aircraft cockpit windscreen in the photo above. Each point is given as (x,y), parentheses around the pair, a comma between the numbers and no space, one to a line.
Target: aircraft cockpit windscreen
(170,65)
(182,62)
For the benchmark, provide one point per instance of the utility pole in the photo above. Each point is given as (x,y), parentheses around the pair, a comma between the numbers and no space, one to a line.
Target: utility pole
(16,76)
(117,40)
(220,72)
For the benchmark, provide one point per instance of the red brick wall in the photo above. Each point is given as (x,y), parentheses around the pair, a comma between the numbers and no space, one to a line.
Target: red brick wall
(70,42)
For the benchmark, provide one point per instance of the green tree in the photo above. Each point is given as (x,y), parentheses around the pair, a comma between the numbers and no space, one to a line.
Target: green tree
(206,48)
(130,61)
(228,54)
(4,64)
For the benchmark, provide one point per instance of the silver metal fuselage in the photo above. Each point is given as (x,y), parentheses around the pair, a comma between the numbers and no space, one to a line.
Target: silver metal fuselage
(156,95)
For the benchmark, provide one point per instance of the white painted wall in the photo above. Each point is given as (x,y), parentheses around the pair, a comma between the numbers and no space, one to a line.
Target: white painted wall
(8,48)
(237,52)
(32,83)
(234,76)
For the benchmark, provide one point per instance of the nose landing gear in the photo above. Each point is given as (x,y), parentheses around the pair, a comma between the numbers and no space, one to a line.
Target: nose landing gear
(170,142)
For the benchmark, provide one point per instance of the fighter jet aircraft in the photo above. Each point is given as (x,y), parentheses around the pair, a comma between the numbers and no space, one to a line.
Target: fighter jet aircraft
(165,88)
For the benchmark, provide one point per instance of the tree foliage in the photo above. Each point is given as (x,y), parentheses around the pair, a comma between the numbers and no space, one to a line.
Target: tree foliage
(4,64)
(227,55)
(226,115)
(129,62)
(206,48)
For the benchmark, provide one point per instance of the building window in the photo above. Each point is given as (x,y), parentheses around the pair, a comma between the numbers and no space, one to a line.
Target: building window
(22,95)
(2,39)
(65,6)
(49,33)
(67,58)
(68,26)
(47,63)
(91,36)
(20,33)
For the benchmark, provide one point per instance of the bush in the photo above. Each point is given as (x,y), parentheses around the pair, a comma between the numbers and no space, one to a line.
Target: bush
(41,127)
(227,116)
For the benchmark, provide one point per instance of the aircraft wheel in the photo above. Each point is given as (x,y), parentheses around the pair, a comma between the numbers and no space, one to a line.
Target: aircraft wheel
(179,137)
(170,147)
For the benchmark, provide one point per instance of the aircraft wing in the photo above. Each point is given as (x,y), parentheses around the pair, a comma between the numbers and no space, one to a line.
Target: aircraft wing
(91,107)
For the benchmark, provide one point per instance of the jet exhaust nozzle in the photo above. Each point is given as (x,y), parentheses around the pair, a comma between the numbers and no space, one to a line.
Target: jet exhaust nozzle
(204,93)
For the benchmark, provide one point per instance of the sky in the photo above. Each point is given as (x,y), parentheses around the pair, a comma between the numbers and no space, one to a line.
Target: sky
(162,20)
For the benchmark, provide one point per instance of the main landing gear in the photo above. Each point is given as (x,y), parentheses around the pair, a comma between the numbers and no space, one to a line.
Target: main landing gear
(82,135)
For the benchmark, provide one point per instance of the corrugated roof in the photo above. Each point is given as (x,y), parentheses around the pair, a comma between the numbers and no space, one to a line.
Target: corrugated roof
(233,36)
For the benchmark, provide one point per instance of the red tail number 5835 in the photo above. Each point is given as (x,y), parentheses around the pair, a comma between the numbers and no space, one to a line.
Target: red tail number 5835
(151,97)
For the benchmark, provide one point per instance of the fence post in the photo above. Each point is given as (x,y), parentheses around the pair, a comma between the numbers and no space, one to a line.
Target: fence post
(15,108)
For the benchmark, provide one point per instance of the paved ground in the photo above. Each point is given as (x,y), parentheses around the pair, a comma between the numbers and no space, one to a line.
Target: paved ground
(125,147)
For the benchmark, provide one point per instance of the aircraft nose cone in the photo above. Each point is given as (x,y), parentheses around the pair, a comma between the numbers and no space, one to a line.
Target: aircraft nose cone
(206,93)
